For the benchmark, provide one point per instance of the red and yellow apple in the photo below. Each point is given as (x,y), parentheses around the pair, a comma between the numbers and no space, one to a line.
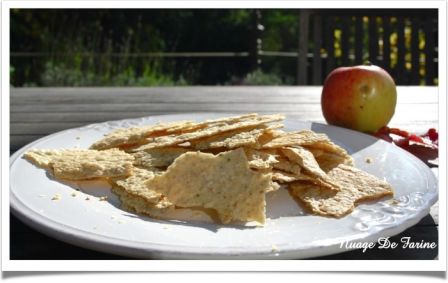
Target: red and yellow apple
(362,98)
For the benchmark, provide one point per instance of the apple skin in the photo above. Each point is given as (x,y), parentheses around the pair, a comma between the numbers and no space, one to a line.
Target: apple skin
(361,98)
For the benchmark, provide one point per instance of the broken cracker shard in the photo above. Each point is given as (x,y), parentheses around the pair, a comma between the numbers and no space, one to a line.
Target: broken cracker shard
(222,167)
(82,164)
(223,182)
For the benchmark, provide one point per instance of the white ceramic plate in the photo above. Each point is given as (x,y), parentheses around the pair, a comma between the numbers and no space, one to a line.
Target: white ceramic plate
(289,232)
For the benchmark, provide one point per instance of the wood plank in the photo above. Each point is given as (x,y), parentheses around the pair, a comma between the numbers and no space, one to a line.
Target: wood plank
(189,94)
(415,52)
(234,99)
(27,243)
(408,97)
(165,107)
(317,45)
(197,91)
(418,111)
(215,94)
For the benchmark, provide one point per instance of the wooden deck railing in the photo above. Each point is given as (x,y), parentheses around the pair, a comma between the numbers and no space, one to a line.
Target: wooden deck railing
(404,42)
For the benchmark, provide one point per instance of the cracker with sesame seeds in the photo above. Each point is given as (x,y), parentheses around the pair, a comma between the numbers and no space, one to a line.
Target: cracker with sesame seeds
(135,185)
(136,135)
(245,137)
(307,139)
(222,168)
(140,204)
(223,182)
(82,164)
(287,177)
(356,186)
(157,157)
(260,159)
(42,157)
(306,160)
(213,129)
(288,166)
(328,161)
(304,137)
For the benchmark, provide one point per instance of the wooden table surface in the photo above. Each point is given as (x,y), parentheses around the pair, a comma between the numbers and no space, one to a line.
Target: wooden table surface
(37,112)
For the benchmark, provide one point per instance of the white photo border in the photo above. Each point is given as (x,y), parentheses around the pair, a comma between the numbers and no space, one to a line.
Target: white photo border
(220,265)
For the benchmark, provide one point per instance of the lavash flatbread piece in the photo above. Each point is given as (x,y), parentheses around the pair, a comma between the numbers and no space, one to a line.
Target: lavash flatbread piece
(309,140)
(139,204)
(303,137)
(215,129)
(328,161)
(356,186)
(136,135)
(286,165)
(82,164)
(260,159)
(222,182)
(221,167)
(306,160)
(157,157)
(42,157)
(283,177)
(134,185)
(245,137)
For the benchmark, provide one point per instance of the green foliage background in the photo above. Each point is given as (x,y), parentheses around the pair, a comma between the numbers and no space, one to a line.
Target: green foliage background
(109,47)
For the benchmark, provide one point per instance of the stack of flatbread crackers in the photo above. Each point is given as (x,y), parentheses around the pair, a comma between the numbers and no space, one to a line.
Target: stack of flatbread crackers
(223,166)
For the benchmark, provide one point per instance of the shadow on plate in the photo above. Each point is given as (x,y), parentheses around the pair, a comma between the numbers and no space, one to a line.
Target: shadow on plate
(279,204)
(348,141)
